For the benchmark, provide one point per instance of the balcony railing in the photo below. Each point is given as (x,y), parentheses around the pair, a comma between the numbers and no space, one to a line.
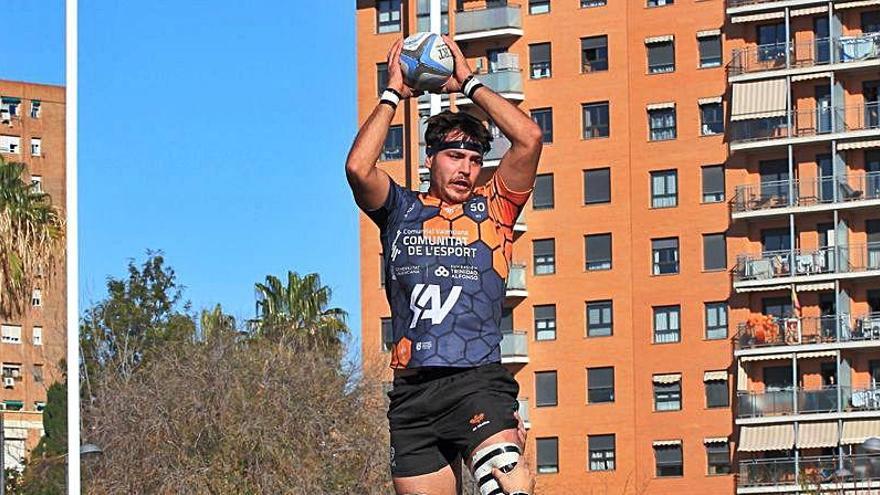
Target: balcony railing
(823,400)
(810,471)
(767,331)
(834,259)
(771,195)
(807,123)
(487,20)
(504,81)
(524,409)
(514,347)
(812,53)
(500,145)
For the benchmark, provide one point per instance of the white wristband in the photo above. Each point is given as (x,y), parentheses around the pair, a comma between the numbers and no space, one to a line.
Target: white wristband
(470,86)
(390,97)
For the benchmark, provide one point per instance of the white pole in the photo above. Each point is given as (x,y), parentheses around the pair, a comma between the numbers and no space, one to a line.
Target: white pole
(435,28)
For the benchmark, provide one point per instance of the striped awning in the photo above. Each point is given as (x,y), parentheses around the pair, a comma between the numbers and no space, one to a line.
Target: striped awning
(661,106)
(763,288)
(764,438)
(759,100)
(670,378)
(709,32)
(809,11)
(714,376)
(852,5)
(814,287)
(859,145)
(757,17)
(666,443)
(817,435)
(709,100)
(765,357)
(859,431)
(659,39)
(810,77)
(816,354)
(715,440)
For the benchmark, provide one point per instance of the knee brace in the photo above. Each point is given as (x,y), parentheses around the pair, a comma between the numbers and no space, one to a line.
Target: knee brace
(503,456)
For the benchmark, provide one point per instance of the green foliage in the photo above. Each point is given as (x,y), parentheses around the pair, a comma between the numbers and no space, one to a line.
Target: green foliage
(45,470)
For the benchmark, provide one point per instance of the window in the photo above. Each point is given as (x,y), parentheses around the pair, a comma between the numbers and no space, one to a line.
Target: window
(664,189)
(661,124)
(10,144)
(716,320)
(543,196)
(713,184)
(423,16)
(9,107)
(545,322)
(544,251)
(37,298)
(387,334)
(667,324)
(597,252)
(12,370)
(594,54)
(659,3)
(601,452)
(665,255)
(38,335)
(717,394)
(37,183)
(10,334)
(710,50)
(544,118)
(388,16)
(539,6)
(600,385)
(393,147)
(667,392)
(38,373)
(597,186)
(668,459)
(545,388)
(585,4)
(718,456)
(871,21)
(711,119)
(547,455)
(539,60)
(771,43)
(661,56)
(597,122)
(600,319)
(35,109)
(714,252)
(36,144)
(381,77)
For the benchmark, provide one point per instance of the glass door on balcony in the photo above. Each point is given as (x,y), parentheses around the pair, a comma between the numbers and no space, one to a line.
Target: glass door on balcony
(870,90)
(821,40)
(771,44)
(827,315)
(778,386)
(871,21)
(493,55)
(775,241)
(506,320)
(872,229)
(774,182)
(777,307)
(874,301)
(827,241)
(823,108)
(825,185)
(872,171)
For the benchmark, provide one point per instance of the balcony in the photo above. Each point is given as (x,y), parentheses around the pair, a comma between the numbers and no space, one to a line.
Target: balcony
(810,125)
(766,331)
(506,81)
(516,282)
(520,226)
(821,54)
(524,411)
(806,195)
(817,401)
(823,264)
(514,348)
(492,22)
(808,473)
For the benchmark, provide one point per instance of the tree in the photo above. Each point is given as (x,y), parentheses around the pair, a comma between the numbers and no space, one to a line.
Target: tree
(299,311)
(45,473)
(31,237)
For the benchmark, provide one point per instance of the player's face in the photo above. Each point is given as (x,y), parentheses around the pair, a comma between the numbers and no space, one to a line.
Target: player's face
(454,173)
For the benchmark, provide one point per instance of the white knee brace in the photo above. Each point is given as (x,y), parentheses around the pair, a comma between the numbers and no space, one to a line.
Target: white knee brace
(503,456)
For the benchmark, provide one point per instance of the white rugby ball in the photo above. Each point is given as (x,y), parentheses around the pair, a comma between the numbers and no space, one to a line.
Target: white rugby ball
(426,61)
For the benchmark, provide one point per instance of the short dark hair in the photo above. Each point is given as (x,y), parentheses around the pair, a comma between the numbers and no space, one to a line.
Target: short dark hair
(441,124)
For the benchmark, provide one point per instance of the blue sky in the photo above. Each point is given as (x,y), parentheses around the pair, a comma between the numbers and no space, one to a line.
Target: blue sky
(33,41)
(218,135)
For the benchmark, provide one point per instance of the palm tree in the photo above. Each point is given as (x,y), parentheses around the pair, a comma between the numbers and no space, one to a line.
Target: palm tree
(31,237)
(299,309)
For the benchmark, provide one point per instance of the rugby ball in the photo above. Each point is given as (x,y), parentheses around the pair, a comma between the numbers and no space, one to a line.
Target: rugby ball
(426,61)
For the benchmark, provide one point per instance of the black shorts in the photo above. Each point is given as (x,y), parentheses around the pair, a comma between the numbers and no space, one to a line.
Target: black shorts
(440,415)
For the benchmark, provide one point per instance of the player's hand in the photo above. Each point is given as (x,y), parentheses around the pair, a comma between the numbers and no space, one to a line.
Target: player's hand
(461,69)
(395,73)
(519,479)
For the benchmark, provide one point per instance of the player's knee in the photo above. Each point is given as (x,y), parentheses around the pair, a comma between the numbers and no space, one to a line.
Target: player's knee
(502,455)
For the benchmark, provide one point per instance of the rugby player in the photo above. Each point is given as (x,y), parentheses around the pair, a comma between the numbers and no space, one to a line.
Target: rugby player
(447,254)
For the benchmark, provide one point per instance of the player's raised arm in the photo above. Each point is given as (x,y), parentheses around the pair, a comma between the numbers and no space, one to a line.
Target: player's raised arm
(368,183)
(519,165)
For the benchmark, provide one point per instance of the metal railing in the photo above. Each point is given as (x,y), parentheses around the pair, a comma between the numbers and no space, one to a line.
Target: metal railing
(514,345)
(488,19)
(772,332)
(770,195)
(833,259)
(807,122)
(807,471)
(810,53)
(782,402)
(503,80)
(516,278)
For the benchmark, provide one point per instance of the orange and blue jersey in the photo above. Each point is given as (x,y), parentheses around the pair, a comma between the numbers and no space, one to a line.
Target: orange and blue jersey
(445,271)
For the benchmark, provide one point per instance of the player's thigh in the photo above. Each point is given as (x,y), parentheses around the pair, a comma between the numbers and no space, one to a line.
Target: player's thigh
(445,481)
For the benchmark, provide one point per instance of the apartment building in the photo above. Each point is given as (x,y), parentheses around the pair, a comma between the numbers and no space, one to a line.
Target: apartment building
(32,342)
(804,139)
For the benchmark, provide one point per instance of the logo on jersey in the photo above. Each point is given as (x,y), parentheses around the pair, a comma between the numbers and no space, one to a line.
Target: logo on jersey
(441,271)
(426,303)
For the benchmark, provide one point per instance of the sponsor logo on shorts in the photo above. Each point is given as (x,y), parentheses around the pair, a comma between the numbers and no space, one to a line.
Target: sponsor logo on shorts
(478,421)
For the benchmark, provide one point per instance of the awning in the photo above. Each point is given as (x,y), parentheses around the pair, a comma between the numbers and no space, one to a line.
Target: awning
(810,77)
(852,5)
(659,39)
(670,378)
(715,440)
(757,17)
(763,288)
(714,375)
(814,287)
(764,438)
(661,106)
(816,354)
(817,435)
(809,11)
(758,100)
(666,443)
(707,101)
(765,357)
(709,32)
(859,431)
(858,145)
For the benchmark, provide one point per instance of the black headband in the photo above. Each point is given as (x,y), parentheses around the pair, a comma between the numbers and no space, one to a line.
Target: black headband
(457,145)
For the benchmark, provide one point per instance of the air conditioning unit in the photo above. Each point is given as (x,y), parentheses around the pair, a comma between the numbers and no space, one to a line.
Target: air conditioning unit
(8,382)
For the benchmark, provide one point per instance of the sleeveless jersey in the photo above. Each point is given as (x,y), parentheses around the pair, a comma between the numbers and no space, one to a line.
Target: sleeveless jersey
(445,271)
